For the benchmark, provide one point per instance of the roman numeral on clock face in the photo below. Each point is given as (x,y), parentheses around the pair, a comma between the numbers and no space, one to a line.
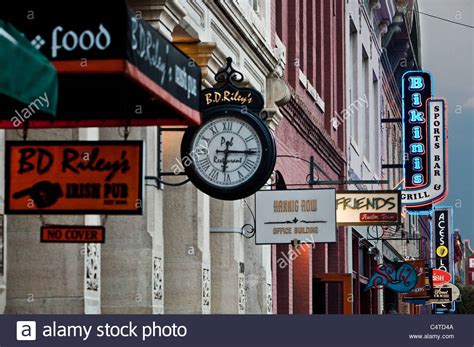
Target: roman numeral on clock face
(249,164)
(227,126)
(204,164)
(214,174)
(228,154)
(214,130)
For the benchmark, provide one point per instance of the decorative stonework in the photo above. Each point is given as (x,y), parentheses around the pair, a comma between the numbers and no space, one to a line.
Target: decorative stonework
(158,279)
(242,293)
(2,247)
(92,267)
(163,15)
(313,131)
(375,5)
(383,27)
(206,287)
(200,52)
(269,299)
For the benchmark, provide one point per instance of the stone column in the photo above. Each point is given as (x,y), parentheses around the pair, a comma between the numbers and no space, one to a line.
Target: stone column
(187,260)
(258,271)
(132,257)
(227,248)
(163,15)
(91,252)
(43,278)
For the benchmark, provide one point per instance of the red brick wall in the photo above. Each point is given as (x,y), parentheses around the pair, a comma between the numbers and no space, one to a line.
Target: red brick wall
(303,280)
(337,252)
(313,33)
(283,267)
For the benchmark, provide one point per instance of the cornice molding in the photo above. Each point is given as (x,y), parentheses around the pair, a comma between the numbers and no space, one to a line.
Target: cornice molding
(314,133)
(258,46)
(163,15)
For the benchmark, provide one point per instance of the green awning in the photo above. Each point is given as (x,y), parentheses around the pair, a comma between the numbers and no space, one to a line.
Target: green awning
(26,75)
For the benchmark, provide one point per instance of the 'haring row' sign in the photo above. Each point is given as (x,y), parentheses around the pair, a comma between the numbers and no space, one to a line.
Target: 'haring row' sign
(425,143)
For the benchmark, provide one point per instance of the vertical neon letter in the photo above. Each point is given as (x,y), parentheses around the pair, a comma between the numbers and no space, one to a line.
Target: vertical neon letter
(416,83)
(416,133)
(417,166)
(416,148)
(416,117)
(416,99)
(417,179)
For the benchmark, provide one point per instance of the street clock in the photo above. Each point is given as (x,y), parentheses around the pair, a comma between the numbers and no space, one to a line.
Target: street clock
(233,153)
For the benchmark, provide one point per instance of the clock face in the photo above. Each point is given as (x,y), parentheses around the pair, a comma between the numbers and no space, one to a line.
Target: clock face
(230,156)
(226,151)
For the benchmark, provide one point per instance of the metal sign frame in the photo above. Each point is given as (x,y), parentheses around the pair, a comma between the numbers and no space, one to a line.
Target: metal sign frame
(138,210)
(294,240)
(365,192)
(61,228)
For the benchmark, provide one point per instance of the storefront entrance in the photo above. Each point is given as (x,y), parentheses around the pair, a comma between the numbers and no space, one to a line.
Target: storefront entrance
(332,293)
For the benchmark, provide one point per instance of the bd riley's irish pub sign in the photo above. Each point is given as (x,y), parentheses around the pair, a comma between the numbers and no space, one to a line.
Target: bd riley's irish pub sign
(83,177)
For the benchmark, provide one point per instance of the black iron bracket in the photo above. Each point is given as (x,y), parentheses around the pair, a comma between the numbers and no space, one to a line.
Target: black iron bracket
(248,230)
(158,179)
(381,236)
(391,120)
(392,166)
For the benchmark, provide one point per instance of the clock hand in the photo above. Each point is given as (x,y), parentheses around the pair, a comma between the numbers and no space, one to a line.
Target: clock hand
(232,151)
(226,154)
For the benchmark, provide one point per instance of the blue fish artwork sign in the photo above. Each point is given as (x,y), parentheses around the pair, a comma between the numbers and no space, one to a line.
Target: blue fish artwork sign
(399,277)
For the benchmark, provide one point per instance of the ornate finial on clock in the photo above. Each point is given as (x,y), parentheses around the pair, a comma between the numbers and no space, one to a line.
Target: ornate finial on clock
(228,74)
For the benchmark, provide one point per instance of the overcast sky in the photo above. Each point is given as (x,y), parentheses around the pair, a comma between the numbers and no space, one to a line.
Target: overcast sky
(448,52)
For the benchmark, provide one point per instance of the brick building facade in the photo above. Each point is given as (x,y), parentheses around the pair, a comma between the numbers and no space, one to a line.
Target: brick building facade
(312,32)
